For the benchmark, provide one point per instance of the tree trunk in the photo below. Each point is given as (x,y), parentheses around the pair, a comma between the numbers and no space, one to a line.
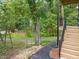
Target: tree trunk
(62,15)
(5,36)
(1,38)
(38,30)
(10,39)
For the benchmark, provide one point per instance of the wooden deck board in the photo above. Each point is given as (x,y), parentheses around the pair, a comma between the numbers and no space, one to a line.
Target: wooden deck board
(70,46)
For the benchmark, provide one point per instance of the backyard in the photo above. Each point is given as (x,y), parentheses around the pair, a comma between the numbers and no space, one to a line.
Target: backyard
(21,43)
(27,26)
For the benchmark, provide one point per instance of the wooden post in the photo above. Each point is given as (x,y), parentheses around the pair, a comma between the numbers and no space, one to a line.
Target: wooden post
(62,21)
(62,15)
(58,18)
(58,24)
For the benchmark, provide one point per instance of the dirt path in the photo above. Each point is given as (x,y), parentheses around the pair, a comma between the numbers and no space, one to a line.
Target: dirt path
(26,53)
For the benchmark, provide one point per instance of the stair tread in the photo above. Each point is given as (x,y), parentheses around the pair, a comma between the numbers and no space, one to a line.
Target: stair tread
(71,47)
(74,44)
(70,51)
(72,37)
(72,40)
(71,34)
(69,56)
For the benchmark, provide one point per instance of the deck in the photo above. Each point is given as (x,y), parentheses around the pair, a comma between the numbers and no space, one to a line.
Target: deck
(70,46)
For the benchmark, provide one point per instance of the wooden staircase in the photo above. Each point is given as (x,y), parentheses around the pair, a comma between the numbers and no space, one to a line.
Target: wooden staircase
(70,46)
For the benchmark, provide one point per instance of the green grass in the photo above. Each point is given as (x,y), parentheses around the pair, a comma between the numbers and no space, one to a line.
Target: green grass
(17,35)
(46,42)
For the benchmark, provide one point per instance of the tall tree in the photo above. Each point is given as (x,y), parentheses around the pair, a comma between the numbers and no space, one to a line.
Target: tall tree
(36,18)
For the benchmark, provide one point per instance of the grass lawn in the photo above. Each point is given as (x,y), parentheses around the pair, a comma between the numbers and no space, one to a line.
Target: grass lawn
(22,35)
(17,35)
(46,42)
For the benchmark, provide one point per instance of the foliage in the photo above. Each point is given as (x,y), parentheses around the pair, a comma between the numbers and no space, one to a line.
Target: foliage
(23,14)
(71,13)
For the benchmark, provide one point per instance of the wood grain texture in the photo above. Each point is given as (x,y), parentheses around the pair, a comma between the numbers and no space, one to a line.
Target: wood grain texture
(70,46)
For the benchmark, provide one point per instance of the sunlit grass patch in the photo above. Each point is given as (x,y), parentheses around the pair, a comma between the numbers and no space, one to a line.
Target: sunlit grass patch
(17,35)
(46,42)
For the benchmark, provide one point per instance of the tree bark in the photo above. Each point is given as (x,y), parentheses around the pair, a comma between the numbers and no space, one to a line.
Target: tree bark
(5,36)
(1,38)
(10,39)
(38,30)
